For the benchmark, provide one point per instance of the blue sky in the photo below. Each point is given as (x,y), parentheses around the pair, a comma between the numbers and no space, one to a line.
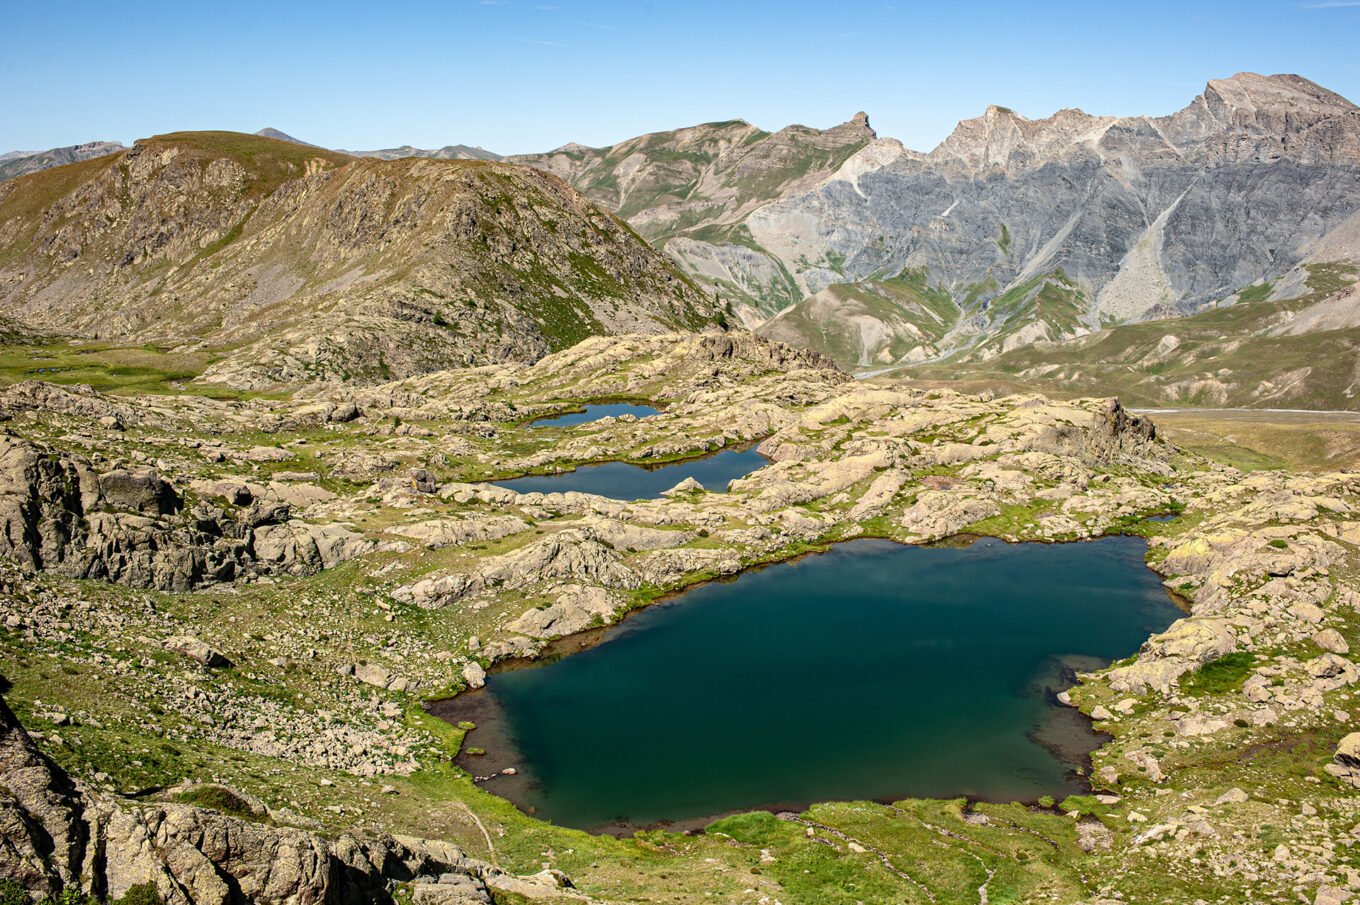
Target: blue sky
(527,75)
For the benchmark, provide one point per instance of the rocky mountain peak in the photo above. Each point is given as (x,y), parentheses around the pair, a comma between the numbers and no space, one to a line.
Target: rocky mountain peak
(1266,117)
(1003,139)
(857,126)
(1251,91)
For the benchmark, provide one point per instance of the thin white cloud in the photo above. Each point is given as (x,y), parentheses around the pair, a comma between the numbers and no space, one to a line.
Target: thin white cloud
(1334,4)
(540,43)
(598,25)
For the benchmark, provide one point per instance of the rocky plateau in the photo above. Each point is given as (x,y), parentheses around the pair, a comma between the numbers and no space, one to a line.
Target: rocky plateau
(221,617)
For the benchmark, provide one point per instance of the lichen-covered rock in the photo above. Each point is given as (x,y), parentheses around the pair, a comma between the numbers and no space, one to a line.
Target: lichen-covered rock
(1166,657)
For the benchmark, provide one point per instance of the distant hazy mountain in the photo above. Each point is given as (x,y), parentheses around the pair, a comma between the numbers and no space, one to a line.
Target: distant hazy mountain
(20,163)
(448,152)
(284,136)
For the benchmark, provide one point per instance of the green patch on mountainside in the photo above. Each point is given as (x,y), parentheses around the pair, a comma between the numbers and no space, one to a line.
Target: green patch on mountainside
(109,368)
(908,317)
(871,322)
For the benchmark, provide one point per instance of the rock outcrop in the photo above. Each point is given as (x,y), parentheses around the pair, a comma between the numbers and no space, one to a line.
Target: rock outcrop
(56,835)
(43,835)
(131,526)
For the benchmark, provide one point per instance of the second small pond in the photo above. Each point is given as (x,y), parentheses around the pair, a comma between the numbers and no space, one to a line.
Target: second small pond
(625,481)
(595,412)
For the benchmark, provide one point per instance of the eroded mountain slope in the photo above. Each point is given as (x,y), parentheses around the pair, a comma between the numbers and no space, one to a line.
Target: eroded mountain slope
(291,263)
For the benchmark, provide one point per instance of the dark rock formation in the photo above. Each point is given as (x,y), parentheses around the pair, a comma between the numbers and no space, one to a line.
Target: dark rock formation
(130,526)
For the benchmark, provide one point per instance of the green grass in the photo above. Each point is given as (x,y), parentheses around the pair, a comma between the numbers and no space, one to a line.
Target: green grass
(217,798)
(111,368)
(1221,676)
(1260,441)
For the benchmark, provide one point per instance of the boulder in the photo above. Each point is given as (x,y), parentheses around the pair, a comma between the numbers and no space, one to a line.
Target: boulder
(196,649)
(423,482)
(141,490)
(688,485)
(298,548)
(1166,657)
(1331,672)
(450,532)
(577,608)
(568,554)
(474,675)
(1330,640)
(941,513)
(439,591)
(266,454)
(1345,764)
(373,674)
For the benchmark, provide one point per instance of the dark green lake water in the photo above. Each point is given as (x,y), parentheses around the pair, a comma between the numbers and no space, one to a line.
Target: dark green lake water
(595,413)
(874,671)
(624,481)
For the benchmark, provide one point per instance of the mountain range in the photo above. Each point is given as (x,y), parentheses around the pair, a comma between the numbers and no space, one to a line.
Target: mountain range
(1013,233)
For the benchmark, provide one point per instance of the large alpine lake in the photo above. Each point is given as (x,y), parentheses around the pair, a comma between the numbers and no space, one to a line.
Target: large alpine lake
(873,671)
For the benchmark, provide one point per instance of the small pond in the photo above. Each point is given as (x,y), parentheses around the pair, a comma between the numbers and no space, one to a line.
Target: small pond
(873,671)
(625,481)
(595,413)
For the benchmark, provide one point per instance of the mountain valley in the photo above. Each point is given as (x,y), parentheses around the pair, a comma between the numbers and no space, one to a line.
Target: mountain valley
(305,452)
